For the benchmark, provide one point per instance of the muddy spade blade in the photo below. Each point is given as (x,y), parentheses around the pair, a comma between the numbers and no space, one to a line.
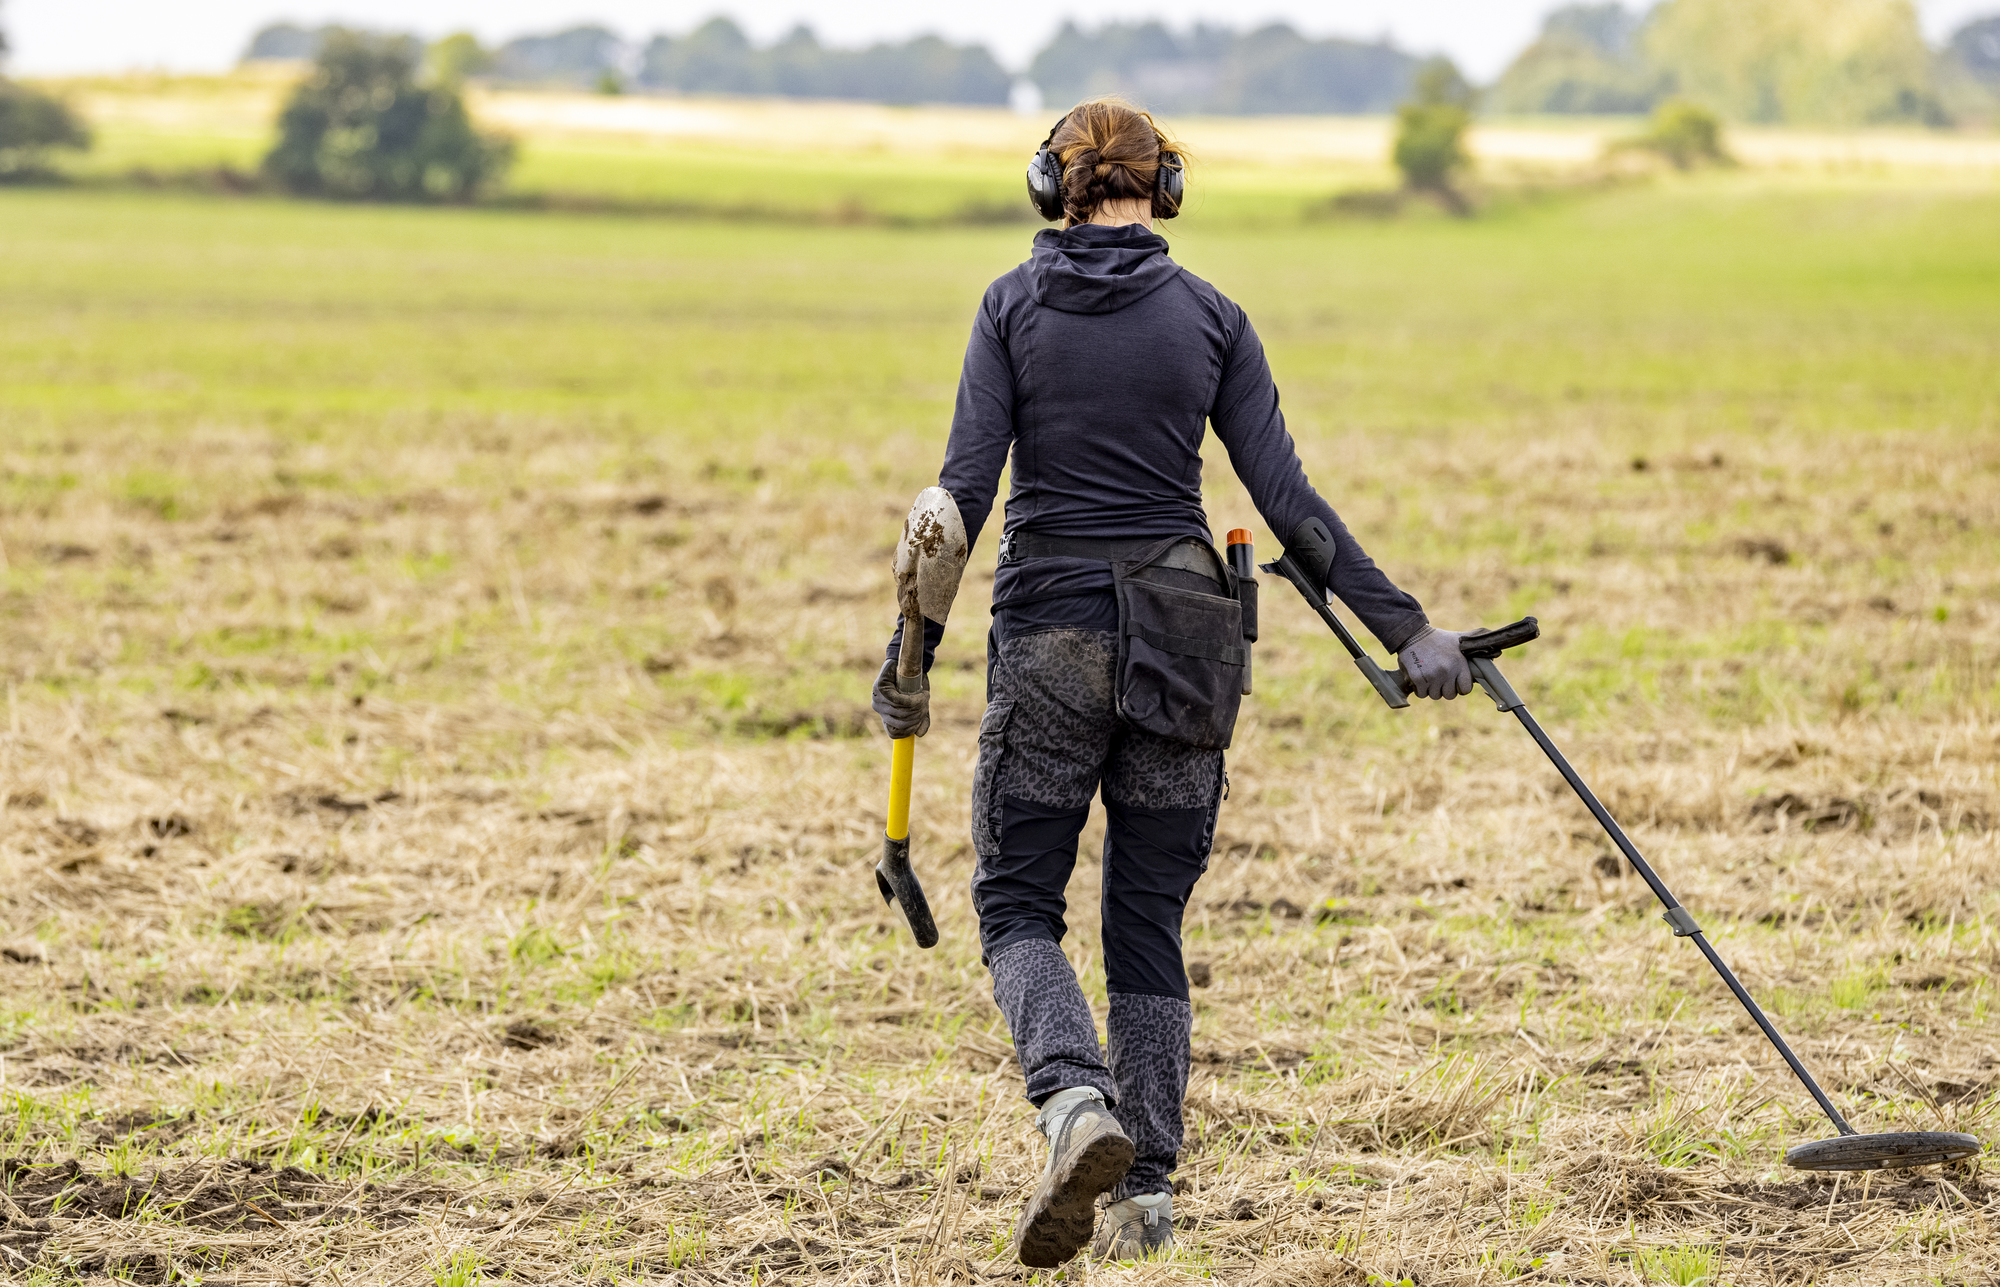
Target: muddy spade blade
(899,884)
(930,558)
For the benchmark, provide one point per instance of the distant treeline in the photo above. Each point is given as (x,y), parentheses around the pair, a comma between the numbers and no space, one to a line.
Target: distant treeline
(1825,62)
(1210,69)
(1213,69)
(1833,62)
(716,58)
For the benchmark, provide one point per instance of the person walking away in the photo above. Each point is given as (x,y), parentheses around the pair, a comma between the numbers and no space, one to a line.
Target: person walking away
(1095,366)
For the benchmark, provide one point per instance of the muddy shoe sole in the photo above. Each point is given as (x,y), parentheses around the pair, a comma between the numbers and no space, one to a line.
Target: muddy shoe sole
(1063,1211)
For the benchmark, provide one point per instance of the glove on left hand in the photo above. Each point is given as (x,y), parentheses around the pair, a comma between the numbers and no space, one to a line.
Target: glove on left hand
(1435,665)
(903,714)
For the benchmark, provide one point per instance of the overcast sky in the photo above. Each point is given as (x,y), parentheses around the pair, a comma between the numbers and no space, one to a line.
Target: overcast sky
(52,37)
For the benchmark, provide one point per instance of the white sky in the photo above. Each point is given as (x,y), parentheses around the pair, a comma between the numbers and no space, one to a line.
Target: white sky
(55,37)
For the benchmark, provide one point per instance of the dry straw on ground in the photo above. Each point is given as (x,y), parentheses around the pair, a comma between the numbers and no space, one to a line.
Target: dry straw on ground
(380,909)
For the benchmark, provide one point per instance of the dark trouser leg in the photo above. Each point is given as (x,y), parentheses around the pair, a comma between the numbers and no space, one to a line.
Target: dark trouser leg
(1153,854)
(1042,744)
(1019,895)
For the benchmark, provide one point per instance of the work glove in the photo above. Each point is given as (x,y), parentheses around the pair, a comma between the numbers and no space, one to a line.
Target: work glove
(1435,665)
(903,714)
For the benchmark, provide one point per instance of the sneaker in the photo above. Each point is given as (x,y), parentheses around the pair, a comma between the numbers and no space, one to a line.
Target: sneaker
(1138,1228)
(1088,1155)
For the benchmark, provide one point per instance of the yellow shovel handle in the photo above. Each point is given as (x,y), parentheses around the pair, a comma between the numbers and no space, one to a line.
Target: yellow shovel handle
(902,756)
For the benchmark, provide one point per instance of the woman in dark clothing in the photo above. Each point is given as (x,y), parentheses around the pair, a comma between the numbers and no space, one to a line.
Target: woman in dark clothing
(1097,364)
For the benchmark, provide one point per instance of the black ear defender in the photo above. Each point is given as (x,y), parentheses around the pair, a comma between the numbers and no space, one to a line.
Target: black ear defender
(1169,184)
(1045,180)
(1045,174)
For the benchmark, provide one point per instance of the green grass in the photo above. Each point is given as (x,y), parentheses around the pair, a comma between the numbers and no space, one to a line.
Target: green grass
(1526,412)
(551,534)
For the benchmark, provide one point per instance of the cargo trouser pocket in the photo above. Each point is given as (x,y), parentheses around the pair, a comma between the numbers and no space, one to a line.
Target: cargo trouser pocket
(986,778)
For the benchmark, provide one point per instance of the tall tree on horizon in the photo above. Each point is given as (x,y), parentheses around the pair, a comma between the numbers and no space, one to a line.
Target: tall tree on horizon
(1803,62)
(1587,59)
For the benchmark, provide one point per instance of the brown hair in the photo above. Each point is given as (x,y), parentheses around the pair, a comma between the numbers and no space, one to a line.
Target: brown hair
(1109,150)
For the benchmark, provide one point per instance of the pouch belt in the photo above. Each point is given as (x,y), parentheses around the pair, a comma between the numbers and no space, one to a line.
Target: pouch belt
(1188,556)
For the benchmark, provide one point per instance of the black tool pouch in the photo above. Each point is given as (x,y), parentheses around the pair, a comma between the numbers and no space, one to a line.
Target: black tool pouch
(1181,653)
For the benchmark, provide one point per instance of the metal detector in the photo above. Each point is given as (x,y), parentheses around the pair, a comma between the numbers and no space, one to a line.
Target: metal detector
(1848,1151)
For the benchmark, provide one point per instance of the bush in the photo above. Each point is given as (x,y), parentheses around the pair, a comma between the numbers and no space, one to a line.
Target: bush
(1684,134)
(31,123)
(1430,144)
(360,126)
(1430,133)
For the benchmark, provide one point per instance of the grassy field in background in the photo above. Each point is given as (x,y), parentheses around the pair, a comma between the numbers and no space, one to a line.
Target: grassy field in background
(439,788)
(835,163)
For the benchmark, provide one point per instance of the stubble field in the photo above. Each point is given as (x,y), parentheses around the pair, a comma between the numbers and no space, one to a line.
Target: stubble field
(439,793)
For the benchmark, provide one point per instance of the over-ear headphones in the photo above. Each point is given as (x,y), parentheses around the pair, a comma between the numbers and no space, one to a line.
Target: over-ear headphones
(1045,180)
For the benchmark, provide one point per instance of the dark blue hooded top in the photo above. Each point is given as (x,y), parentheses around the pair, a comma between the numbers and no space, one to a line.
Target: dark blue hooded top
(1098,364)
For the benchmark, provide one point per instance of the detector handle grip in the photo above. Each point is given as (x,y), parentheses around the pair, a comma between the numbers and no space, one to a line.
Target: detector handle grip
(1482,649)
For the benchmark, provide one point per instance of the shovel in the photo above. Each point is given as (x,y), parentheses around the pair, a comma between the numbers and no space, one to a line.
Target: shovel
(930,561)
(1849,1150)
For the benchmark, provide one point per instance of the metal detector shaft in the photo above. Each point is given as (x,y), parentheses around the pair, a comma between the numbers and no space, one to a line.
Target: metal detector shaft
(1489,677)
(1481,648)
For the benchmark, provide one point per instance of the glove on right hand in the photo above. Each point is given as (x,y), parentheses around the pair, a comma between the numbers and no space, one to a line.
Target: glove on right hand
(1435,665)
(903,714)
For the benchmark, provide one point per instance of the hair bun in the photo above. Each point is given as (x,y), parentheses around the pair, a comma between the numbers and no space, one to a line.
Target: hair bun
(1110,151)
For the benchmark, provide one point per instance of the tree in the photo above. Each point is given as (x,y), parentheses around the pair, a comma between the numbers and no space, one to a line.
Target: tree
(714,58)
(288,42)
(360,126)
(1817,62)
(578,56)
(283,42)
(457,58)
(1213,69)
(718,58)
(1430,134)
(1969,72)
(1588,59)
(32,123)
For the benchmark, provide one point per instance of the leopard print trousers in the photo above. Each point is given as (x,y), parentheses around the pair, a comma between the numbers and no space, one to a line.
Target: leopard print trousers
(1051,740)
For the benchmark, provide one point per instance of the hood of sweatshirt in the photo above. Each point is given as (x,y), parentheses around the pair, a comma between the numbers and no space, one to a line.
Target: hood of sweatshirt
(1092,268)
